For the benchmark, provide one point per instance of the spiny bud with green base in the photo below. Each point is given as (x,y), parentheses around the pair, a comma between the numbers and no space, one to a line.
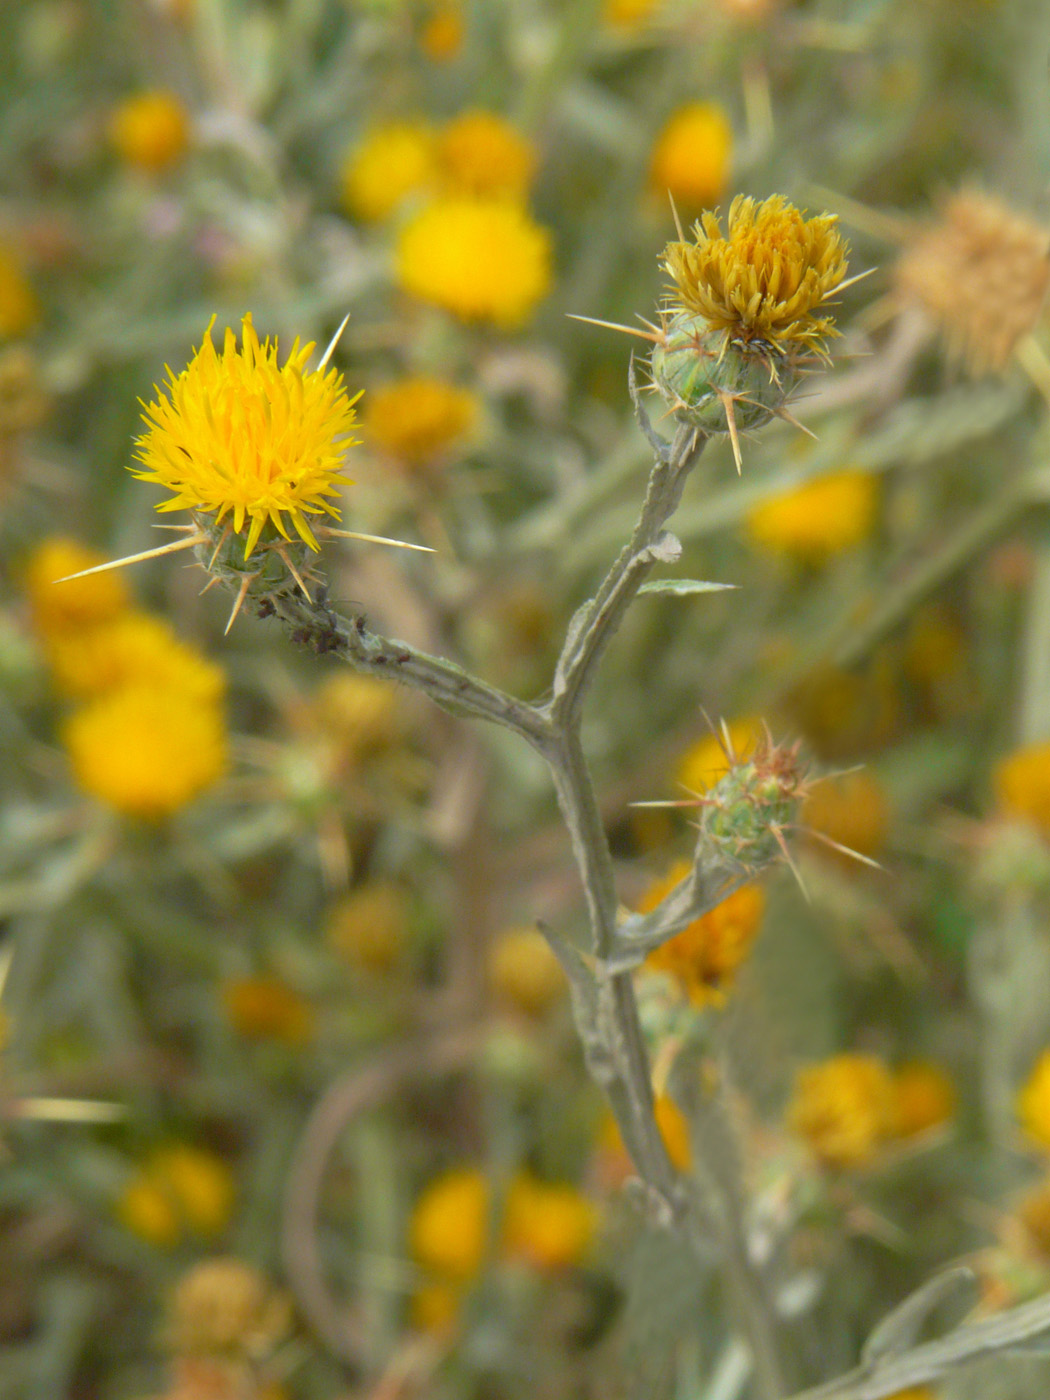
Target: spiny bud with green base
(745,814)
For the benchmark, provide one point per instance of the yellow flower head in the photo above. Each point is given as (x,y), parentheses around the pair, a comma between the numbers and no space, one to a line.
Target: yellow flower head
(442,34)
(265,1008)
(391,163)
(766,278)
(1022,785)
(690,159)
(417,418)
(223,1307)
(923,1098)
(628,14)
(150,130)
(146,752)
(479,153)
(63,609)
(524,972)
(818,519)
(19,308)
(548,1224)
(448,1230)
(844,1108)
(133,649)
(1033,1102)
(849,809)
(480,259)
(369,926)
(238,435)
(180,1189)
(704,957)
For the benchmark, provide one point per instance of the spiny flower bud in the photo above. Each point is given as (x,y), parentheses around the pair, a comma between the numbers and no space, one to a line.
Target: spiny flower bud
(744,816)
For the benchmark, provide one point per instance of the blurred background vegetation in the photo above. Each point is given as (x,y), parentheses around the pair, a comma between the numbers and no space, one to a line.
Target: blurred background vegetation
(290,1096)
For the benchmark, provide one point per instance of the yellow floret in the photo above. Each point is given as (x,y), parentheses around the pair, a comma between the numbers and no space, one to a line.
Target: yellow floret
(65,608)
(844,1108)
(479,153)
(417,418)
(480,259)
(690,159)
(821,518)
(391,163)
(146,752)
(150,131)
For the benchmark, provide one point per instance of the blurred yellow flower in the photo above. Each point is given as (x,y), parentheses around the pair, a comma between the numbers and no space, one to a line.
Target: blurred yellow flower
(443,31)
(146,752)
(360,715)
(63,609)
(179,1190)
(448,1230)
(480,153)
(674,1129)
(224,1307)
(19,308)
(850,809)
(480,259)
(265,1008)
(1033,1212)
(706,762)
(818,519)
(703,959)
(548,1224)
(844,1108)
(435,1306)
(923,1098)
(417,418)
(690,159)
(368,927)
(240,436)
(1033,1102)
(132,649)
(629,14)
(1022,785)
(524,972)
(150,130)
(391,163)
(766,278)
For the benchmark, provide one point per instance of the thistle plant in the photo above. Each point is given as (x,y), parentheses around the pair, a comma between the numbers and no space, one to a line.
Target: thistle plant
(254,450)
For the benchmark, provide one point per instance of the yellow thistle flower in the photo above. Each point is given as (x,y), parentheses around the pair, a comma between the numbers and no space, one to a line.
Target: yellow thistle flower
(1022,785)
(479,153)
(448,1230)
(981,273)
(849,809)
(442,34)
(146,752)
(844,1108)
(65,609)
(523,972)
(19,308)
(1033,1102)
(391,163)
(224,1307)
(704,957)
(480,259)
(265,1008)
(417,418)
(369,926)
(179,1189)
(710,758)
(150,131)
(628,14)
(923,1098)
(690,159)
(133,649)
(766,278)
(818,519)
(237,435)
(549,1225)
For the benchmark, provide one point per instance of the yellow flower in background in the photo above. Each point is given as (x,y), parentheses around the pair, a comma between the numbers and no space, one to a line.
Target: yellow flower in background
(369,926)
(146,752)
(674,1129)
(549,1225)
(1022,785)
(1033,1102)
(360,716)
(706,762)
(179,1190)
(237,435)
(844,1108)
(132,649)
(480,153)
(265,1008)
(924,1097)
(19,308)
(1033,1212)
(691,156)
(150,131)
(523,972)
(850,809)
(391,163)
(417,418)
(480,259)
(224,1307)
(766,278)
(629,14)
(444,29)
(448,1231)
(62,609)
(704,957)
(818,519)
